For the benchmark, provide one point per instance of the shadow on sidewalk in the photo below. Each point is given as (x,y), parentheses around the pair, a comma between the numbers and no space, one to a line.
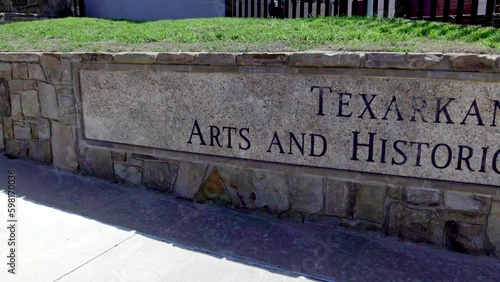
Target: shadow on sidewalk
(297,249)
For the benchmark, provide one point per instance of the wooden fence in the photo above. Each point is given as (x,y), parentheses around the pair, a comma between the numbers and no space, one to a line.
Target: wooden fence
(474,12)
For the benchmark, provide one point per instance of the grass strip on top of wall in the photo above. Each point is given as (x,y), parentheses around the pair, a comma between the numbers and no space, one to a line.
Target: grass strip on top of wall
(244,35)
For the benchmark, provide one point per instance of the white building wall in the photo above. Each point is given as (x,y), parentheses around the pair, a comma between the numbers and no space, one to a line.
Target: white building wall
(154,9)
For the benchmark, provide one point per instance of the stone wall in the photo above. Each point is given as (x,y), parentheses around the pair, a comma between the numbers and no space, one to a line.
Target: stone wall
(42,119)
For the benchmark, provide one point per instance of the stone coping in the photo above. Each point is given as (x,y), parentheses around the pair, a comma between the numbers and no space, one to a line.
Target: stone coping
(371,60)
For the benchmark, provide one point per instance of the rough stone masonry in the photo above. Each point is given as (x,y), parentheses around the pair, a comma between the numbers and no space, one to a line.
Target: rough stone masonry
(402,144)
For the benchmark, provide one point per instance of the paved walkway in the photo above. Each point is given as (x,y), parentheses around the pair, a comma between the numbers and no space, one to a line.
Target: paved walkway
(74,228)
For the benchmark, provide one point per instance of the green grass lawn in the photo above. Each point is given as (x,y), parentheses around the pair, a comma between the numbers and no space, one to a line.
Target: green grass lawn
(244,35)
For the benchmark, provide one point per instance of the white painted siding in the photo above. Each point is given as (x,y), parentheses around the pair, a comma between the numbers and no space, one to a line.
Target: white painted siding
(154,9)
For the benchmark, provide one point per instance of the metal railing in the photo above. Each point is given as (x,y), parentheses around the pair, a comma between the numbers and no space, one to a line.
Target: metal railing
(473,12)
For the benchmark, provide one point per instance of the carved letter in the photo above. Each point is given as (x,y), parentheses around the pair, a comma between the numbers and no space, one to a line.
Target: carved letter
(443,109)
(276,141)
(356,144)
(196,131)
(398,113)
(321,92)
(476,113)
(367,106)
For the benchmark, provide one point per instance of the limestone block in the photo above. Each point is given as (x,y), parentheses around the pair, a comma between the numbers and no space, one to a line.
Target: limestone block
(8,128)
(262,59)
(4,101)
(67,75)
(370,204)
(16,148)
(428,61)
(96,57)
(118,156)
(341,198)
(43,128)
(128,174)
(272,190)
(66,109)
(51,65)
(493,230)
(5,71)
(466,238)
(175,58)
(19,57)
(63,146)
(160,176)
(19,70)
(386,60)
(395,193)
(189,180)
(340,59)
(306,194)
(35,71)
(96,162)
(22,130)
(420,226)
(18,85)
(15,106)
(396,212)
(135,58)
(464,202)
(213,189)
(48,101)
(29,102)
(214,59)
(422,196)
(256,189)
(473,63)
(40,151)
(239,186)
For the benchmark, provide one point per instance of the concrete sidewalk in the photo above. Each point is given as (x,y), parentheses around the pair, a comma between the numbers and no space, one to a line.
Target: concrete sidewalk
(74,228)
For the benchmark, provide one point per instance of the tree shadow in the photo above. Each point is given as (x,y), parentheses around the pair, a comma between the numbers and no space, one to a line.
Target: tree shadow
(278,246)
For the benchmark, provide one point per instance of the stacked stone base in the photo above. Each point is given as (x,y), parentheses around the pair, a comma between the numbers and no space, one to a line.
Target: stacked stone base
(413,210)
(38,121)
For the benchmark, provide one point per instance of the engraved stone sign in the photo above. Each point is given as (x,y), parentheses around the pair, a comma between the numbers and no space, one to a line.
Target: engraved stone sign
(442,129)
